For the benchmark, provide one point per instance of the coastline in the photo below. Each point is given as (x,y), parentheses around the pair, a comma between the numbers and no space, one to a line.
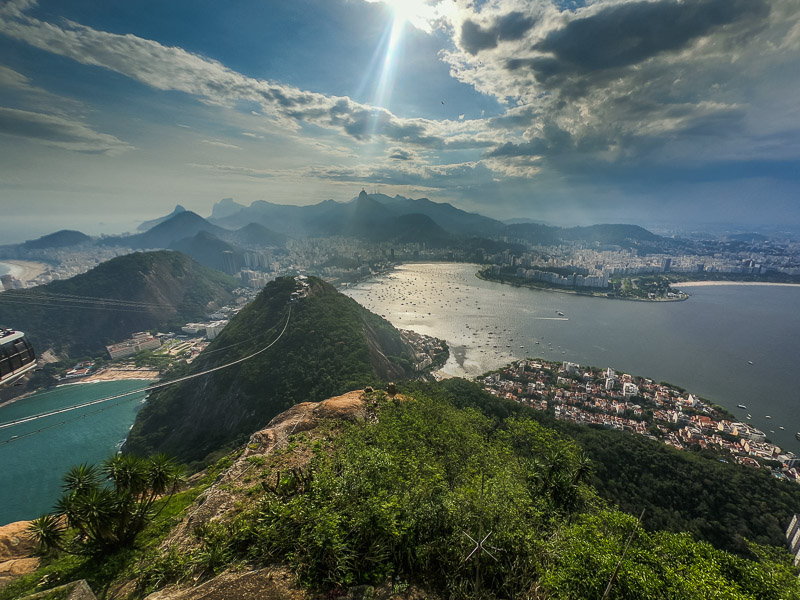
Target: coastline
(108,374)
(560,290)
(24,270)
(706,283)
(116,374)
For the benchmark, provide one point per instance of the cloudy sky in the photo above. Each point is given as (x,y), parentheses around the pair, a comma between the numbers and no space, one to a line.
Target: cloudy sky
(565,111)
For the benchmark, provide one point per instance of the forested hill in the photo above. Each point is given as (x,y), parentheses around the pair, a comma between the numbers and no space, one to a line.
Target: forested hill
(331,345)
(136,292)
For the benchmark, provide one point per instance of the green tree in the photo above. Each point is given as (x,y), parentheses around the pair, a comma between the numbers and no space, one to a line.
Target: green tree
(106,508)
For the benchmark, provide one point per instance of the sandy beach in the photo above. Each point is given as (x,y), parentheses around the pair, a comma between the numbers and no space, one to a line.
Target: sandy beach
(704,283)
(25,270)
(117,374)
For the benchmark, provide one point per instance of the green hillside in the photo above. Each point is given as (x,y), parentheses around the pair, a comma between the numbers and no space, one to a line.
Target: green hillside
(79,316)
(387,500)
(331,345)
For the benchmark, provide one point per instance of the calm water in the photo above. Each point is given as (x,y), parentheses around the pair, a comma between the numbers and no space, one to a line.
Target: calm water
(31,467)
(703,344)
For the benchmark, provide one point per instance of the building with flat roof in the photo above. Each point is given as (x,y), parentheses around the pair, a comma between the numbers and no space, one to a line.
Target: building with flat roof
(138,342)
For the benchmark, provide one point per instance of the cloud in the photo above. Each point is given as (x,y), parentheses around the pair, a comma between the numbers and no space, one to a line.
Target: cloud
(236,170)
(172,68)
(449,177)
(626,82)
(627,34)
(511,26)
(220,144)
(401,154)
(58,131)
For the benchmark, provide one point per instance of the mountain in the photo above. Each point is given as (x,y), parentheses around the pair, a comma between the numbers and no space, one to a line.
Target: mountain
(208,249)
(331,345)
(416,229)
(255,234)
(59,239)
(445,215)
(177,227)
(153,222)
(358,217)
(287,218)
(225,208)
(136,292)
(613,234)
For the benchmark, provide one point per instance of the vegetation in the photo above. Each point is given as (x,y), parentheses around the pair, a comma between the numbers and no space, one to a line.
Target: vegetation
(402,499)
(102,570)
(155,279)
(331,345)
(724,504)
(93,518)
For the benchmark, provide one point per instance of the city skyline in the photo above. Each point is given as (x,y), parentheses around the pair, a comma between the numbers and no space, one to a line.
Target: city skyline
(566,112)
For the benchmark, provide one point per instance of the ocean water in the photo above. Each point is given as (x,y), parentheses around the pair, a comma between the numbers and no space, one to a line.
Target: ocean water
(4,268)
(31,467)
(704,344)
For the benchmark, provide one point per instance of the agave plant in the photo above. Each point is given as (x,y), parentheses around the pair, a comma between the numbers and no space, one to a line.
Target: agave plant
(47,532)
(106,515)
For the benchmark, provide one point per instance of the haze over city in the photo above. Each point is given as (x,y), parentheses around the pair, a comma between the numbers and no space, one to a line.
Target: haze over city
(564,112)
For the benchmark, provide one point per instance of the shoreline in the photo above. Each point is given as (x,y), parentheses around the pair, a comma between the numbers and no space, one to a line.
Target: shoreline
(24,270)
(116,374)
(574,292)
(103,376)
(707,283)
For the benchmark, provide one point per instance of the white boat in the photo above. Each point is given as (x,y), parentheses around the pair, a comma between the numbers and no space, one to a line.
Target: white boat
(742,406)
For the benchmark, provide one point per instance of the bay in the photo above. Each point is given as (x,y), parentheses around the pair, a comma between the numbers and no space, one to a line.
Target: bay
(704,344)
(31,467)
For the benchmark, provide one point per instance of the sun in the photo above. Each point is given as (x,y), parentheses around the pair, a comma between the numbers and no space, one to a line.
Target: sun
(418,13)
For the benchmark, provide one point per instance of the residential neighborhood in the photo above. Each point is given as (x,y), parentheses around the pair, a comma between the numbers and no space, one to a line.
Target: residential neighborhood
(659,411)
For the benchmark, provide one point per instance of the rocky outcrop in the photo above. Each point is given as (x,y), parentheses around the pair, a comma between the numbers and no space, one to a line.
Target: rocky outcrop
(16,552)
(228,490)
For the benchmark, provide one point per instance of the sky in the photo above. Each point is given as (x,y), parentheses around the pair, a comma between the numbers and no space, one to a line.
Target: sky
(565,111)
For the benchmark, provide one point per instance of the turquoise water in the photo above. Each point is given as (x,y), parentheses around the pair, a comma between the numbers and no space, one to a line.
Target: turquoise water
(705,344)
(31,467)
(4,268)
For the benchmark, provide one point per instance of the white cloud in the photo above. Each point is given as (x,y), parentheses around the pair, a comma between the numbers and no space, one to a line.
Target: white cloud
(220,144)
(236,170)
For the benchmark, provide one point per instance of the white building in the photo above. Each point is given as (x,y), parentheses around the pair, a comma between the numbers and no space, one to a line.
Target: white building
(630,389)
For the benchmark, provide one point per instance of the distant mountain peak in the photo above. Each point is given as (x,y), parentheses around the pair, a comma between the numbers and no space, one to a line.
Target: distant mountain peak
(225,208)
(153,222)
(59,239)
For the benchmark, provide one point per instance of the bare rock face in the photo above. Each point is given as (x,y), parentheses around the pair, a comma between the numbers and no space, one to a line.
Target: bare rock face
(220,499)
(16,552)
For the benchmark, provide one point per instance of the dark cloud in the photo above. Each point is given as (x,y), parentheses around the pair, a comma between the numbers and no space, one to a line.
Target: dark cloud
(554,140)
(400,154)
(59,131)
(512,26)
(627,34)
